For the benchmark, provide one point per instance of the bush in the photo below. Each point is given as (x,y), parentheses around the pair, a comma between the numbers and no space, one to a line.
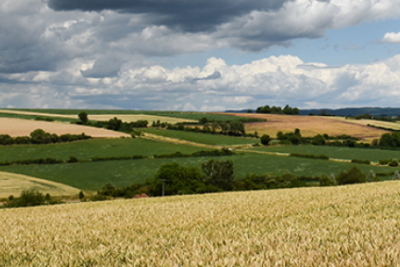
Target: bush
(326,180)
(265,139)
(393,163)
(27,198)
(351,176)
(361,161)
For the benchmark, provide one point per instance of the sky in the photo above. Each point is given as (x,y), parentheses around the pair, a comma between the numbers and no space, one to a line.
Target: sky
(199,55)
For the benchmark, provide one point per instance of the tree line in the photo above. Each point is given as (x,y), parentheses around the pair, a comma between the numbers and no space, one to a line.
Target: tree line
(278,110)
(39,136)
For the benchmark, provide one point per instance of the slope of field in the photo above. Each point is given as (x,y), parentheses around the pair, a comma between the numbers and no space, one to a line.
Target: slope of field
(209,139)
(309,126)
(339,226)
(19,127)
(335,152)
(376,123)
(14,184)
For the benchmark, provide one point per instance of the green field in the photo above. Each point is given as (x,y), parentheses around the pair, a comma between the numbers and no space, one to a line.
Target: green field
(335,152)
(209,139)
(94,175)
(87,149)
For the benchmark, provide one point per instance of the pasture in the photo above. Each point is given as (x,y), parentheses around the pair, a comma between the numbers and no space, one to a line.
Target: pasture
(334,226)
(377,123)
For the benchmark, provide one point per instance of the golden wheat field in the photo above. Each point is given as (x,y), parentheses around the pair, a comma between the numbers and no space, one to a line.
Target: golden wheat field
(355,225)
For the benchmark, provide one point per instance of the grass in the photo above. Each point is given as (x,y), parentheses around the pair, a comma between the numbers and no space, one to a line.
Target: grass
(209,139)
(334,226)
(94,175)
(335,152)
(84,150)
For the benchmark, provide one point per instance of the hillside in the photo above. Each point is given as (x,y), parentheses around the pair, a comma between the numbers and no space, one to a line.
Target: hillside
(335,226)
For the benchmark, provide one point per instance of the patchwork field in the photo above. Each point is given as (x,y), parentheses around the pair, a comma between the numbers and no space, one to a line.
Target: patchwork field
(335,226)
(309,126)
(14,184)
(19,127)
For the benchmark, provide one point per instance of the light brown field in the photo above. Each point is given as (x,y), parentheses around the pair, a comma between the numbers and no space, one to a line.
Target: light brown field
(336,226)
(310,126)
(14,184)
(20,127)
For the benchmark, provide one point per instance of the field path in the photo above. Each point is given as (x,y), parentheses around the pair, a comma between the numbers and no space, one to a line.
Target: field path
(14,184)
(20,127)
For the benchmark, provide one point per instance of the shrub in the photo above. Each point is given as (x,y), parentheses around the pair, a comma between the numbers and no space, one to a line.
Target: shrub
(265,139)
(27,198)
(351,176)
(393,163)
(326,180)
(361,161)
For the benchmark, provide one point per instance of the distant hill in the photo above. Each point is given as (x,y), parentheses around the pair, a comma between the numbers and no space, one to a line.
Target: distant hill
(375,111)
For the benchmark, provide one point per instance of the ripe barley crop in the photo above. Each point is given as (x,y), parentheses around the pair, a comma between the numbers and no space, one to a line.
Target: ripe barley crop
(340,226)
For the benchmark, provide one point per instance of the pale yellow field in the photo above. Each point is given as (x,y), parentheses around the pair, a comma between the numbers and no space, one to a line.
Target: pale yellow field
(384,124)
(338,226)
(14,184)
(20,127)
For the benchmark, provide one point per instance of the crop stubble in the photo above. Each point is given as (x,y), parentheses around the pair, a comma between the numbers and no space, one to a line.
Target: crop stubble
(337,226)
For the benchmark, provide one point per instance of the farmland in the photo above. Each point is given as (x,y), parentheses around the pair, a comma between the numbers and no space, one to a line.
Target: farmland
(333,226)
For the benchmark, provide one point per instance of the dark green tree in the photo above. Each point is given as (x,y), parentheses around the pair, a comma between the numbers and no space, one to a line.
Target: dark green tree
(83,116)
(265,139)
(219,173)
(351,176)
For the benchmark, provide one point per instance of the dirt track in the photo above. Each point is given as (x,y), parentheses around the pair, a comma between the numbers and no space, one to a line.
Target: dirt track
(20,127)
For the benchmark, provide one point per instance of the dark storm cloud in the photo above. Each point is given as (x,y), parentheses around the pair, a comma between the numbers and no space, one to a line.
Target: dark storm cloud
(189,15)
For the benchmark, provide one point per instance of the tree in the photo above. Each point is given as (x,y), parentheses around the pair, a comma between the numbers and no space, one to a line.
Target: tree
(351,176)
(219,173)
(265,139)
(83,116)
(178,180)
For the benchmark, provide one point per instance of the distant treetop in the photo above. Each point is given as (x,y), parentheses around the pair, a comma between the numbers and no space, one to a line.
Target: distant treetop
(278,110)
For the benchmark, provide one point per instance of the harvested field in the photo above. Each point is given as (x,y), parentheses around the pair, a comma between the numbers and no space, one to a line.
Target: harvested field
(310,126)
(354,225)
(14,184)
(19,127)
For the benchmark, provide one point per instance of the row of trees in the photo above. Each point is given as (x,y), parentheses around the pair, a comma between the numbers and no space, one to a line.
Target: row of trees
(233,128)
(218,176)
(39,136)
(278,110)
